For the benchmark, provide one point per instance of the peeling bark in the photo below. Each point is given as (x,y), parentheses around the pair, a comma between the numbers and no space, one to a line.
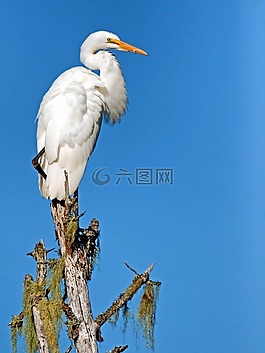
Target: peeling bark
(43,344)
(40,255)
(66,224)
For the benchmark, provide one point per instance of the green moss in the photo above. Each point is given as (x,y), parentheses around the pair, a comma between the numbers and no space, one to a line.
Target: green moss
(50,308)
(147,310)
(114,318)
(72,229)
(31,291)
(56,274)
(16,330)
(51,316)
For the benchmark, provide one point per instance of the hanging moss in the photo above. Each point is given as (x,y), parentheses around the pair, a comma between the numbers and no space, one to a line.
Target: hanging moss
(114,318)
(51,308)
(55,276)
(126,315)
(147,310)
(51,316)
(16,330)
(31,291)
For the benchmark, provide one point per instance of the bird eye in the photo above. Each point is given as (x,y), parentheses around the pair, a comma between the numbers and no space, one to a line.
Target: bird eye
(108,40)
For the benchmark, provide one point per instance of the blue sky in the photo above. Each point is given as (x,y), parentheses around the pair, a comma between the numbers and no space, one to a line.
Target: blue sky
(196,105)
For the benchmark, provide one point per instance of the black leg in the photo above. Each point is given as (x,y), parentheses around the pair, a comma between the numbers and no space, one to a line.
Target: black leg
(36,164)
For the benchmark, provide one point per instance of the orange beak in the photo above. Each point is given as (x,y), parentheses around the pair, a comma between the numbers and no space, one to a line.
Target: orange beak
(128,47)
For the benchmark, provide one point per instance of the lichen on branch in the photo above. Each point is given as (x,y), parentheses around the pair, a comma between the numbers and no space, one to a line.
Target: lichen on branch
(147,308)
(16,325)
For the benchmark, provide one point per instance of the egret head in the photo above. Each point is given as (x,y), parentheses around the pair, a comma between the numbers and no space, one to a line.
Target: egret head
(107,40)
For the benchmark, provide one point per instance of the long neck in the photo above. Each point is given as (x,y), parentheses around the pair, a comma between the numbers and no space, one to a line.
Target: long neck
(112,78)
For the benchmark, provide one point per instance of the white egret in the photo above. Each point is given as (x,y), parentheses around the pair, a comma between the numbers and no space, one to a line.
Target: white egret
(70,114)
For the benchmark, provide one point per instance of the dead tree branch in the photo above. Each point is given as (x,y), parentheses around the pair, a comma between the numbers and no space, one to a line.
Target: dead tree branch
(40,255)
(43,344)
(75,254)
(118,349)
(127,295)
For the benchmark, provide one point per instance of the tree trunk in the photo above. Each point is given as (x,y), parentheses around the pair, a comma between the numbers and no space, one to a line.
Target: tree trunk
(66,224)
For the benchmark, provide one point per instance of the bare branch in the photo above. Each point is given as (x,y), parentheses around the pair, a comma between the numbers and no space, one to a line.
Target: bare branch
(40,255)
(130,268)
(66,186)
(150,268)
(118,349)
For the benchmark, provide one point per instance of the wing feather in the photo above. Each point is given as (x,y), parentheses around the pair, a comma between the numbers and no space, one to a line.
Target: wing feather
(69,121)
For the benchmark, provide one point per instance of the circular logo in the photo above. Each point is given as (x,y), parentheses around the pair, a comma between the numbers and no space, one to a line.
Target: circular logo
(100,178)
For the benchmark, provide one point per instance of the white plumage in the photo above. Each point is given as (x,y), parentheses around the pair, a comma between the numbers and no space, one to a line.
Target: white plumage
(70,114)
